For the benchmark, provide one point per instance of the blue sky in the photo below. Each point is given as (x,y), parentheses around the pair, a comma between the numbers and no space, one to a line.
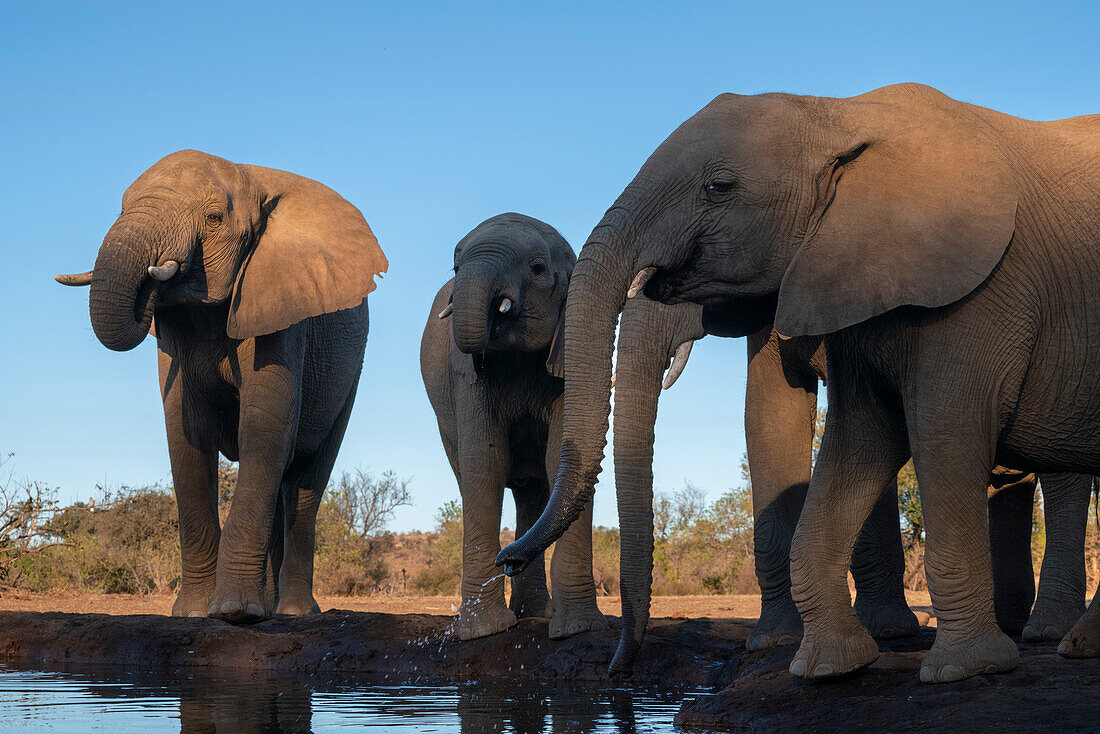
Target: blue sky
(430,118)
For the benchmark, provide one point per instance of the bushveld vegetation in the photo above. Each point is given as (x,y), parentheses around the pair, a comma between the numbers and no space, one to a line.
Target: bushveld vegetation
(126,540)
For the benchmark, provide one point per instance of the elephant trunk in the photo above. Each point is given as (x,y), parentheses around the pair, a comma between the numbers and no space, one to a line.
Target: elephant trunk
(644,336)
(597,291)
(123,294)
(475,288)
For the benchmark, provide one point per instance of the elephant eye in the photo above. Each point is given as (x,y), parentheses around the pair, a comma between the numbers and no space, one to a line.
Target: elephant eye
(538,268)
(719,187)
(214,218)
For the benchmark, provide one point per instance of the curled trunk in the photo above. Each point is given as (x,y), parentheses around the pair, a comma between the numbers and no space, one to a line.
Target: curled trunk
(122,294)
(471,298)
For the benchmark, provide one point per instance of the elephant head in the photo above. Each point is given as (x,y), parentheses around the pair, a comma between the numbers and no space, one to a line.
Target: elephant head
(196,229)
(511,276)
(811,213)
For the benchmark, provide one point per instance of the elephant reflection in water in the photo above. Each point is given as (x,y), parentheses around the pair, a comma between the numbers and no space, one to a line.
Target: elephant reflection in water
(532,709)
(213,706)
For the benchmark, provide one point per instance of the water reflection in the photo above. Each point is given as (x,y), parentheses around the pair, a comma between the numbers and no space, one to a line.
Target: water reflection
(119,701)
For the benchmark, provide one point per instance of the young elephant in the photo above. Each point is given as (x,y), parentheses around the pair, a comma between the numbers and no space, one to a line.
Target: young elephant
(946,253)
(256,282)
(493,375)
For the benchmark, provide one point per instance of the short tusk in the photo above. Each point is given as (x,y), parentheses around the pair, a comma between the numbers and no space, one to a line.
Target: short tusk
(613,376)
(505,306)
(75,278)
(640,280)
(165,271)
(447,311)
(679,362)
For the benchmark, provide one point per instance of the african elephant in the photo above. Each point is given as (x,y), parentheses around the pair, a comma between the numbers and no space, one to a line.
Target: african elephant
(946,253)
(781,400)
(493,376)
(255,282)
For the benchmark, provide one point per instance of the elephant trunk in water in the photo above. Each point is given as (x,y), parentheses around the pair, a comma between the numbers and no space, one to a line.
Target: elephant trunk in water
(597,291)
(123,293)
(472,296)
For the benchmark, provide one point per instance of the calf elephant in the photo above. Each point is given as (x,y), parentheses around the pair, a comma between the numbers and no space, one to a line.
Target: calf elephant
(255,283)
(493,376)
(947,255)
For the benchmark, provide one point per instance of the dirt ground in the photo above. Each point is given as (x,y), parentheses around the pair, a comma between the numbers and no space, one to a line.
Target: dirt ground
(693,643)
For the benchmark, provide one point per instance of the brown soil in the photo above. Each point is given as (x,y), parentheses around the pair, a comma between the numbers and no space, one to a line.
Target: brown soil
(696,642)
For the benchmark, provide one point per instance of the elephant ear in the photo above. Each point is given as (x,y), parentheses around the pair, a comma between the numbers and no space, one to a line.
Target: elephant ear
(739,317)
(563,260)
(314,254)
(555,360)
(917,210)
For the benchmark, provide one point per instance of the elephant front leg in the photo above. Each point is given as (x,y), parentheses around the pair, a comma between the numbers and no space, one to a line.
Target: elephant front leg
(878,568)
(194,459)
(1062,583)
(1010,511)
(861,452)
(483,473)
(1083,641)
(268,420)
(530,597)
(952,475)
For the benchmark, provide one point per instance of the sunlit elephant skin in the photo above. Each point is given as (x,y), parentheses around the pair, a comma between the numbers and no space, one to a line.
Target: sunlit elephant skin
(255,283)
(947,253)
(781,400)
(491,361)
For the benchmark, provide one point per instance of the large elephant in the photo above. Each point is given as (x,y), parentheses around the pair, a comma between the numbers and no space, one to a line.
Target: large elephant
(493,376)
(947,254)
(780,406)
(255,281)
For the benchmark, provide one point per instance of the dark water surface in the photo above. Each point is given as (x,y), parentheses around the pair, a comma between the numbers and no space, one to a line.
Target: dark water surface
(119,701)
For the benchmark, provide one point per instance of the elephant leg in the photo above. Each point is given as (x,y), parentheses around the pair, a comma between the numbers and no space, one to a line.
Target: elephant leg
(1083,640)
(780,405)
(303,488)
(530,597)
(267,426)
(1010,510)
(483,471)
(878,568)
(861,452)
(953,478)
(1061,599)
(572,589)
(194,458)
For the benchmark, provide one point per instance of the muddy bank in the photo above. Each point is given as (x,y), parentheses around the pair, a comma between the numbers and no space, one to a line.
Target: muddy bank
(407,647)
(1045,693)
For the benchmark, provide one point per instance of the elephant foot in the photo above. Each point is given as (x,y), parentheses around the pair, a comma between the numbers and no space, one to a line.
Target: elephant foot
(959,655)
(1083,641)
(191,603)
(778,625)
(1051,621)
(238,607)
(887,620)
(530,603)
(482,620)
(832,653)
(297,602)
(574,618)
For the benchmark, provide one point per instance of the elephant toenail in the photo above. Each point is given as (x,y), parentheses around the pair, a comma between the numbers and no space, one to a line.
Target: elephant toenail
(926,675)
(823,670)
(950,673)
(1064,648)
(786,640)
(196,613)
(798,668)
(255,609)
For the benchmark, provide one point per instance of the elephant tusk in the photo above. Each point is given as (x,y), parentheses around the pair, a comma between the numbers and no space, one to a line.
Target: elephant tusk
(447,311)
(505,306)
(75,278)
(640,280)
(679,362)
(613,376)
(783,337)
(165,271)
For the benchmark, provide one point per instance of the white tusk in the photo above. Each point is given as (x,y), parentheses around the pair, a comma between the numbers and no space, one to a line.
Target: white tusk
(447,311)
(679,362)
(165,271)
(640,280)
(75,278)
(613,376)
(505,306)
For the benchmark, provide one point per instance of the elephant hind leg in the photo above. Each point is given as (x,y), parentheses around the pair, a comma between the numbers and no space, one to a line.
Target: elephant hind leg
(1083,641)
(1010,510)
(302,489)
(878,568)
(1061,598)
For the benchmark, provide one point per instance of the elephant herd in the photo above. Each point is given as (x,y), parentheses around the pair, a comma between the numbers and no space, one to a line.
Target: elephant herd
(932,262)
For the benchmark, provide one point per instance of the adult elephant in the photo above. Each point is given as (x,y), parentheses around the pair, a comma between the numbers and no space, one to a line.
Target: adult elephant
(780,406)
(493,375)
(916,234)
(256,282)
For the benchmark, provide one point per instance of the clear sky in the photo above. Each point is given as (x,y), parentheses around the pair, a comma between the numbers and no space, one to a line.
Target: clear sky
(430,118)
